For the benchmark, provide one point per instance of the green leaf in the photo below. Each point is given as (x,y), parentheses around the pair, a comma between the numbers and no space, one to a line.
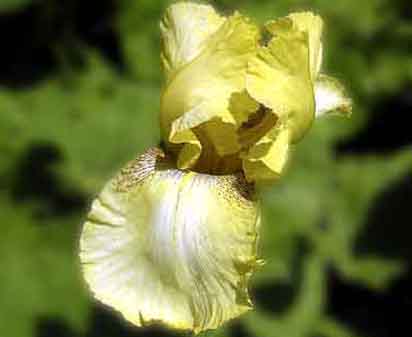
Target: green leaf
(40,271)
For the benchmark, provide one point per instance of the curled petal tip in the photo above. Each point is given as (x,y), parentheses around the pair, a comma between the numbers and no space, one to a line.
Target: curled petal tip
(331,97)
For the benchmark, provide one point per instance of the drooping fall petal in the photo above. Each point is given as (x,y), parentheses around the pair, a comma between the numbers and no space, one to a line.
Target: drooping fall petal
(164,245)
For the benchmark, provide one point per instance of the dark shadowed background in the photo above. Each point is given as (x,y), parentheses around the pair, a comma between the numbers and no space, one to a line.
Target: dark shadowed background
(79,97)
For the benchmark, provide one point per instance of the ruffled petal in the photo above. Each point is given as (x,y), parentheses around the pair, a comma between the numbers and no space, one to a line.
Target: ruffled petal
(310,24)
(330,97)
(189,153)
(166,246)
(199,95)
(185,27)
(242,107)
(266,159)
(279,77)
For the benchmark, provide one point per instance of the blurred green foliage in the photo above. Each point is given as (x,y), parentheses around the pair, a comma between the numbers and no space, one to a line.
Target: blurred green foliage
(10,5)
(98,118)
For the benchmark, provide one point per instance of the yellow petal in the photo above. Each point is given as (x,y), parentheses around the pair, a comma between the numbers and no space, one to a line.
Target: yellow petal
(312,25)
(190,152)
(166,246)
(331,97)
(242,106)
(185,27)
(267,158)
(279,78)
(200,92)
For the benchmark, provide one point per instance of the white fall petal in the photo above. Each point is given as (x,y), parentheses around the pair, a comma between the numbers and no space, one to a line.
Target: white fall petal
(173,247)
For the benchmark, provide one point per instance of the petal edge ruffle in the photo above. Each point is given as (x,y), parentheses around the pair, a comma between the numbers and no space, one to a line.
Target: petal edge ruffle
(164,245)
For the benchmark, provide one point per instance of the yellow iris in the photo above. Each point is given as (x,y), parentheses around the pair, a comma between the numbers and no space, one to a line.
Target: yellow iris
(172,239)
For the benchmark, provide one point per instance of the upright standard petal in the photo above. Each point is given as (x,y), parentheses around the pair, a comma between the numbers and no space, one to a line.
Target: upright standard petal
(312,26)
(185,28)
(195,104)
(279,78)
(166,246)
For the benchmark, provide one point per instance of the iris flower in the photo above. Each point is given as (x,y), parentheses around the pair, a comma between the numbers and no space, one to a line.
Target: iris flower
(172,239)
